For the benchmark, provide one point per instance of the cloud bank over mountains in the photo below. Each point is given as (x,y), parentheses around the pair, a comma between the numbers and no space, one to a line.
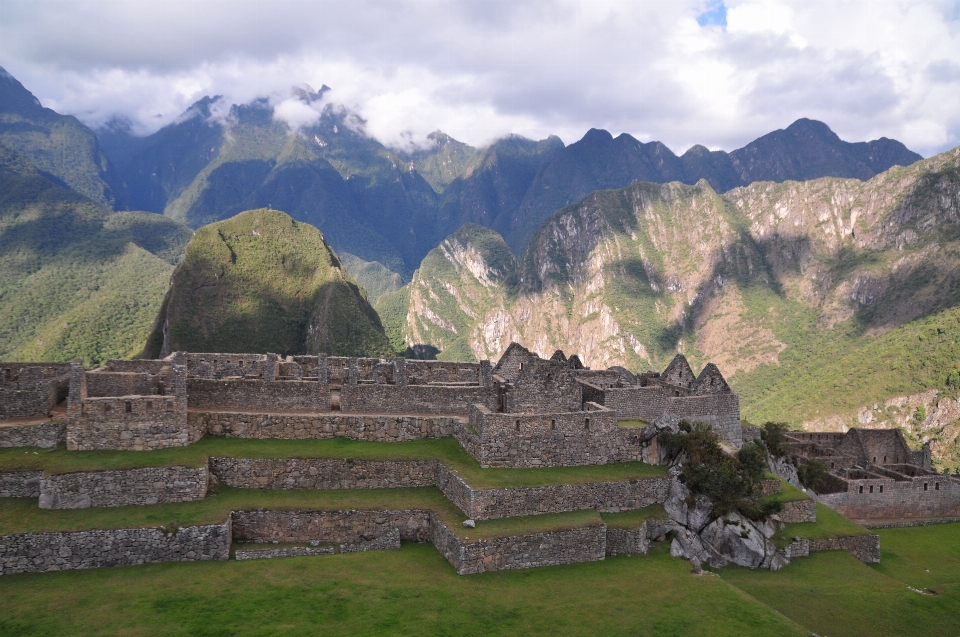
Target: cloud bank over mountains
(714,72)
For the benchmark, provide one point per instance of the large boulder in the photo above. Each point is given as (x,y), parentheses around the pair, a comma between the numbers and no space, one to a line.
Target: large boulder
(737,540)
(692,512)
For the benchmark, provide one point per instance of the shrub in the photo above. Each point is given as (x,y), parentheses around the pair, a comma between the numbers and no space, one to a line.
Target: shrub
(815,475)
(731,482)
(772,434)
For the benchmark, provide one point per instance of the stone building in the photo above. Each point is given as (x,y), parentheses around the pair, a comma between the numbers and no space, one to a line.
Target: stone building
(876,476)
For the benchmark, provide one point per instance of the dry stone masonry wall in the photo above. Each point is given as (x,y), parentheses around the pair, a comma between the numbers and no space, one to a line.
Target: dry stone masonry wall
(150,485)
(46,435)
(74,550)
(379,428)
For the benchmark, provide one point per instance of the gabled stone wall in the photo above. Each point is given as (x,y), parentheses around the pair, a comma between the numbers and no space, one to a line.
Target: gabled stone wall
(29,390)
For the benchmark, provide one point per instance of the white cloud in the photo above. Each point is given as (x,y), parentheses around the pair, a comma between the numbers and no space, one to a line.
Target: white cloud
(481,70)
(296,113)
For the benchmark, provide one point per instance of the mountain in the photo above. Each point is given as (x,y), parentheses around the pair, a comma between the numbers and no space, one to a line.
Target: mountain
(373,276)
(76,280)
(806,150)
(263,282)
(815,298)
(393,207)
(57,145)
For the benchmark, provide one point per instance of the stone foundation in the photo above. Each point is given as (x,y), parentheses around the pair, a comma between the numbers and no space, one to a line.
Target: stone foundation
(292,551)
(865,548)
(20,484)
(46,435)
(150,485)
(380,428)
(74,550)
(799,511)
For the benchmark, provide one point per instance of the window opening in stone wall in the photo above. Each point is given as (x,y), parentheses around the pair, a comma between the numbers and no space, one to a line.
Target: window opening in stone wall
(127,407)
(586,423)
(871,488)
(676,393)
(924,486)
(861,488)
(831,465)
(517,424)
(241,364)
(553,424)
(874,460)
(83,408)
(881,488)
(936,486)
(884,460)
(521,367)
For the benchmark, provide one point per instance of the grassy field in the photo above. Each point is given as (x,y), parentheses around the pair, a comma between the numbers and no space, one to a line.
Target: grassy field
(448,450)
(833,594)
(415,591)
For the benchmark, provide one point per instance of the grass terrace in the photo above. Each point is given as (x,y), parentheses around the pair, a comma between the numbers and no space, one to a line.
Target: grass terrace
(21,515)
(788,493)
(447,450)
(632,423)
(829,524)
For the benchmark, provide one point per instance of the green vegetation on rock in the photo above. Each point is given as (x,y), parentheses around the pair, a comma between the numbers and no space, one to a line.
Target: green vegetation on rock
(262,282)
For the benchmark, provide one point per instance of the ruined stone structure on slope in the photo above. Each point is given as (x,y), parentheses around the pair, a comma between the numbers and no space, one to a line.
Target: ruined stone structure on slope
(874,475)
(525,412)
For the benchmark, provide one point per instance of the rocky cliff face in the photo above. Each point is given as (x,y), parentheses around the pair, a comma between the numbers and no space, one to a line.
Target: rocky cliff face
(782,285)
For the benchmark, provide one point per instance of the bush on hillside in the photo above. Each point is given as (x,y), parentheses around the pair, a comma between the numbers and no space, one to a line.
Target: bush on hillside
(731,482)
(772,434)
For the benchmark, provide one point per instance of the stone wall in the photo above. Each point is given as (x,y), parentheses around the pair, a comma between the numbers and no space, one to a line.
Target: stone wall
(46,435)
(290,551)
(721,411)
(634,541)
(549,439)
(101,384)
(375,398)
(622,495)
(149,485)
(29,390)
(333,527)
(133,423)
(865,548)
(570,546)
(20,484)
(323,473)
(799,511)
(391,428)
(62,551)
(543,386)
(931,496)
(258,395)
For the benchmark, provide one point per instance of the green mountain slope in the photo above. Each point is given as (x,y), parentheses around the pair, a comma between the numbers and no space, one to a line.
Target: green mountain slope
(815,298)
(76,280)
(373,276)
(58,145)
(262,282)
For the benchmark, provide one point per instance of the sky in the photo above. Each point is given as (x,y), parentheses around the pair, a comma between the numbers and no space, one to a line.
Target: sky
(713,72)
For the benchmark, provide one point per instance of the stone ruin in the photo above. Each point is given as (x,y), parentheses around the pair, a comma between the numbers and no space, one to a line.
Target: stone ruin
(524,412)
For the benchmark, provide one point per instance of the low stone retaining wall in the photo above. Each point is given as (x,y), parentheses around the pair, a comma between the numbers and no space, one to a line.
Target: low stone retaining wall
(62,551)
(323,473)
(549,548)
(479,504)
(486,504)
(389,539)
(799,511)
(20,484)
(901,524)
(292,551)
(330,527)
(865,548)
(149,485)
(324,425)
(769,486)
(46,435)
(628,541)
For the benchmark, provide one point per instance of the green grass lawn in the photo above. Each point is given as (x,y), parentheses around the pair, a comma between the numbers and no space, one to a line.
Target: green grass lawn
(413,591)
(447,450)
(788,493)
(831,593)
(21,515)
(632,423)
